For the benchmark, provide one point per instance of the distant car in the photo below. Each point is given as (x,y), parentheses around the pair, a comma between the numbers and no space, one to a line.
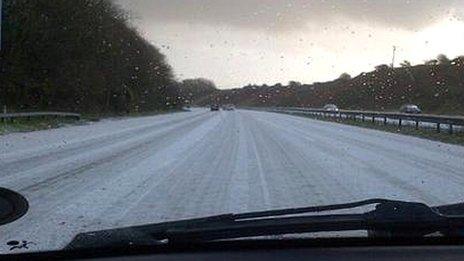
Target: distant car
(410,108)
(229,107)
(331,107)
(214,107)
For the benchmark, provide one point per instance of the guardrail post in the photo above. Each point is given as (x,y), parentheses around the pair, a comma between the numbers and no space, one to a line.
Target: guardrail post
(385,120)
(362,118)
(450,129)
(417,125)
(373,119)
(399,122)
(438,127)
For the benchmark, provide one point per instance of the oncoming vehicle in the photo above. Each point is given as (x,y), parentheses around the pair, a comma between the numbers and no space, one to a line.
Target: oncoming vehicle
(410,108)
(331,107)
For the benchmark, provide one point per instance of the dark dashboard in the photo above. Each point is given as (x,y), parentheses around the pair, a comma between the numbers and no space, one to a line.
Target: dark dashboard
(308,249)
(353,253)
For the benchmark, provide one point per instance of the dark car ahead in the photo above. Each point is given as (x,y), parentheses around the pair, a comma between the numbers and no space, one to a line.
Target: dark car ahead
(410,108)
(214,107)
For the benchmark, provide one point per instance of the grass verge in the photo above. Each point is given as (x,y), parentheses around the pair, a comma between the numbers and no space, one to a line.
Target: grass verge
(432,134)
(25,125)
(34,124)
(97,117)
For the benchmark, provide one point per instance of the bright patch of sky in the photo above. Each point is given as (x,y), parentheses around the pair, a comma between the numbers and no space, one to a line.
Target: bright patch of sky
(238,42)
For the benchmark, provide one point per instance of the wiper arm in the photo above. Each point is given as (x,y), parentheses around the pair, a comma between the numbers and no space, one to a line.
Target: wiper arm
(388,219)
(268,226)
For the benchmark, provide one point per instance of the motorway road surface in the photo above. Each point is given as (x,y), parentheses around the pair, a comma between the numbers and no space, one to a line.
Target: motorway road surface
(151,169)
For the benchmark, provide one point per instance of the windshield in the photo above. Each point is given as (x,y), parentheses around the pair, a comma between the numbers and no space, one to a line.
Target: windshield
(118,113)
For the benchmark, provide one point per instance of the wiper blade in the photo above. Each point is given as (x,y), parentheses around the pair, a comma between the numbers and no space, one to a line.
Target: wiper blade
(388,219)
(323,208)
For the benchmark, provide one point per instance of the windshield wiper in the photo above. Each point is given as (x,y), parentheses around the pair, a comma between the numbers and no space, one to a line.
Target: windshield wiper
(388,219)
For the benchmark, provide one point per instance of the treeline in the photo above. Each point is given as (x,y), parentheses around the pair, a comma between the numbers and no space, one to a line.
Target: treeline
(437,86)
(194,90)
(79,55)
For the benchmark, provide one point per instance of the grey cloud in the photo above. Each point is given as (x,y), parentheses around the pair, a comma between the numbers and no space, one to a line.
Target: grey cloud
(287,15)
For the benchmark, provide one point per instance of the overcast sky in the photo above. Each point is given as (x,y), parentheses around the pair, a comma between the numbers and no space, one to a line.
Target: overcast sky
(236,42)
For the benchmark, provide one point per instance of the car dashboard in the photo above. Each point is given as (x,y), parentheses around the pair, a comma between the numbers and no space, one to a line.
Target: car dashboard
(315,249)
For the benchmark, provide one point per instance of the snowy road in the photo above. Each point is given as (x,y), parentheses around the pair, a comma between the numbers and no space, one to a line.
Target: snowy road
(151,169)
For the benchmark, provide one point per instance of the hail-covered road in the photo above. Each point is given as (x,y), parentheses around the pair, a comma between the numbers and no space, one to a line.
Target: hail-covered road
(150,169)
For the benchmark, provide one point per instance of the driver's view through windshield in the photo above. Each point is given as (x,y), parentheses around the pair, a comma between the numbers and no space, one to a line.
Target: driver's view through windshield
(151,122)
